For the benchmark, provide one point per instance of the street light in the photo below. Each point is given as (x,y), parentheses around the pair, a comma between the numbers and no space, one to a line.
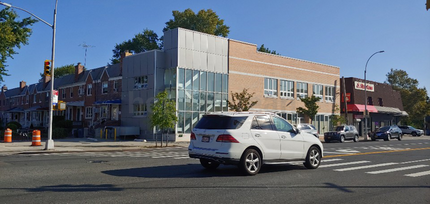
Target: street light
(365,95)
(50,142)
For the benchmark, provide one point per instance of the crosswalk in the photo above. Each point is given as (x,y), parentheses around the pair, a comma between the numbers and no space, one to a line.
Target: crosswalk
(414,168)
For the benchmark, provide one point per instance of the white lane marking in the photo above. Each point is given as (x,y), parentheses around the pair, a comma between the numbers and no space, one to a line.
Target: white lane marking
(424,173)
(422,160)
(330,160)
(347,151)
(365,167)
(396,169)
(343,164)
(336,152)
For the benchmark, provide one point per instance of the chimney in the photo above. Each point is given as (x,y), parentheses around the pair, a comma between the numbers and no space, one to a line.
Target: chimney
(123,55)
(78,70)
(22,84)
(4,88)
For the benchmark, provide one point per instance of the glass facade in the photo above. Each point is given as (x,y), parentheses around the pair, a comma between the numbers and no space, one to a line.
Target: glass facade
(199,92)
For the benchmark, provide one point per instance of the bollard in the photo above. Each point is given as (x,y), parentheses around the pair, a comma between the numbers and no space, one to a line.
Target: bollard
(36,138)
(7,135)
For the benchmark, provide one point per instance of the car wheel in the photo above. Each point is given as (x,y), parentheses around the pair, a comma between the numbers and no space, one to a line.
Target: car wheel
(208,164)
(414,134)
(251,162)
(356,138)
(400,137)
(388,137)
(313,158)
(342,138)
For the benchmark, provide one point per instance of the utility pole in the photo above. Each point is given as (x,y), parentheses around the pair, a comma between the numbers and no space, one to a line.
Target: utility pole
(86,46)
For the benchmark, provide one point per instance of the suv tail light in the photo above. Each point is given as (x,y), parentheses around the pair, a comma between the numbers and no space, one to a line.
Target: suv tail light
(193,136)
(226,138)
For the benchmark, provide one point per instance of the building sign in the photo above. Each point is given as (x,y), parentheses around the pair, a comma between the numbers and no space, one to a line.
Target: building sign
(360,86)
(348,97)
(54,97)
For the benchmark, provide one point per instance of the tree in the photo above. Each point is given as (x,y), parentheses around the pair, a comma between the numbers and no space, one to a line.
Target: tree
(141,42)
(337,119)
(13,34)
(415,100)
(63,71)
(311,107)
(163,115)
(241,101)
(206,21)
(267,50)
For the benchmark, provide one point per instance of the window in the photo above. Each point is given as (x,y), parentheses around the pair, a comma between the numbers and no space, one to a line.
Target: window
(27,98)
(329,94)
(71,92)
(287,89)
(220,122)
(80,91)
(380,102)
(115,86)
(88,112)
(262,122)
(105,87)
(318,91)
(369,101)
(89,89)
(139,109)
(282,125)
(141,82)
(104,111)
(63,93)
(34,98)
(270,87)
(302,90)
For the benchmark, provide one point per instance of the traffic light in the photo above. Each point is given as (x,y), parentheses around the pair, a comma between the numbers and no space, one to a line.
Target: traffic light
(47,68)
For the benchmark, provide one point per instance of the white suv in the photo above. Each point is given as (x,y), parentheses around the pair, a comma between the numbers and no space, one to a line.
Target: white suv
(251,139)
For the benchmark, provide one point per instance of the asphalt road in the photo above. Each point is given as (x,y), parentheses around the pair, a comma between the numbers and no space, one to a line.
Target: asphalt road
(363,172)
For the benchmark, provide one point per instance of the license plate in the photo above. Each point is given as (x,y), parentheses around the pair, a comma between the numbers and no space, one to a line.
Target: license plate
(206,139)
(328,137)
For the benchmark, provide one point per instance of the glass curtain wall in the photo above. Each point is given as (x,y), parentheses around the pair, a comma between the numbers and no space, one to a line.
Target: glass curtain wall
(199,92)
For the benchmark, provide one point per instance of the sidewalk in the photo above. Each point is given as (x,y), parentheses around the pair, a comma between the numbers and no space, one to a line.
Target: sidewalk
(80,145)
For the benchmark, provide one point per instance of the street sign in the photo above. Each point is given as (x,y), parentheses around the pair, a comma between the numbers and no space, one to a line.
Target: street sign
(54,97)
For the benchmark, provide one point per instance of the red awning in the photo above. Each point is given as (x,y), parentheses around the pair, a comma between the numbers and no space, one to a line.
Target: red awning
(360,108)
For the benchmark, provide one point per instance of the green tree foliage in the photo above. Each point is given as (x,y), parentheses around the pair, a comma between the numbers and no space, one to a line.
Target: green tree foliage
(13,34)
(206,21)
(311,107)
(337,119)
(241,101)
(141,42)
(415,100)
(63,71)
(163,115)
(267,50)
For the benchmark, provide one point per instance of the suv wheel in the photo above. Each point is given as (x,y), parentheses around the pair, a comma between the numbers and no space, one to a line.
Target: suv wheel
(250,163)
(342,138)
(388,137)
(400,137)
(356,138)
(208,164)
(313,158)
(414,134)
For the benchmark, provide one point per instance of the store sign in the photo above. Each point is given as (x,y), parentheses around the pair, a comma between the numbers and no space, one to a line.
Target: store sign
(348,97)
(360,86)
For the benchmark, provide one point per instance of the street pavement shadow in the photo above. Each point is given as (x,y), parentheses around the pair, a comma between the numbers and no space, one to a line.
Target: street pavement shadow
(76,188)
(192,171)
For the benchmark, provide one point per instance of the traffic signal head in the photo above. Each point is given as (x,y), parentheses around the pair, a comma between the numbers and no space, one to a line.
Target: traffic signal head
(47,68)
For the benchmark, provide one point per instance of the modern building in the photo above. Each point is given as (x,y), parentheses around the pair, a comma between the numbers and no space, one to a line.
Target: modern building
(384,104)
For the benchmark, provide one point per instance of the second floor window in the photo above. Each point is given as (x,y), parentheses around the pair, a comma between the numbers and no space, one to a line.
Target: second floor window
(381,103)
(71,92)
(270,87)
(115,86)
(302,89)
(141,82)
(369,101)
(80,91)
(63,93)
(318,91)
(105,87)
(287,89)
(89,89)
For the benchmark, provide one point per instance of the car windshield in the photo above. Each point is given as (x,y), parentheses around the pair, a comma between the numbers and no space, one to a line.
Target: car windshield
(383,129)
(339,128)
(220,122)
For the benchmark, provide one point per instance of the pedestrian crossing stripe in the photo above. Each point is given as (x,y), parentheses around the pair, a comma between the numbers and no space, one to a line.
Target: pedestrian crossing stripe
(330,160)
(365,167)
(396,169)
(424,173)
(343,164)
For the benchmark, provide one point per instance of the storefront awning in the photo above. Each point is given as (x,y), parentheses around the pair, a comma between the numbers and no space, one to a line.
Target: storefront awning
(34,108)
(115,101)
(361,108)
(388,110)
(15,110)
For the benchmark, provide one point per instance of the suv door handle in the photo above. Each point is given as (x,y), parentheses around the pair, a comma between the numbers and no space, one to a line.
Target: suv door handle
(283,136)
(257,135)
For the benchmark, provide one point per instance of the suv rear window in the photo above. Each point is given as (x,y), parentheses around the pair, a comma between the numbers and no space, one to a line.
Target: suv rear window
(339,128)
(220,122)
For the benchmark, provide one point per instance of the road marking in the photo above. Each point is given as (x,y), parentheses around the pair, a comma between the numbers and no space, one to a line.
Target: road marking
(418,174)
(396,169)
(343,164)
(422,160)
(342,153)
(330,160)
(365,167)
(380,152)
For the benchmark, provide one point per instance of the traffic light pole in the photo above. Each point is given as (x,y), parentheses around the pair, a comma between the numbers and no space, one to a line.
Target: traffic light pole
(50,141)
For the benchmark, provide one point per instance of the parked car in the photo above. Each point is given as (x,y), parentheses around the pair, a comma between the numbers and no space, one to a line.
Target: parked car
(411,130)
(249,140)
(342,133)
(305,127)
(387,133)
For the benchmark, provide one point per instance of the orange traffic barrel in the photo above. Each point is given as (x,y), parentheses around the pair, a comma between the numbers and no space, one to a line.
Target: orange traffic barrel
(36,138)
(7,135)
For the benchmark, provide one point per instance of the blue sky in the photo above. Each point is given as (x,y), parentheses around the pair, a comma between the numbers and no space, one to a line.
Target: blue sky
(335,32)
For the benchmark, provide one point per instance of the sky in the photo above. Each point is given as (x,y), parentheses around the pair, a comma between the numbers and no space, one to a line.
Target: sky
(334,32)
